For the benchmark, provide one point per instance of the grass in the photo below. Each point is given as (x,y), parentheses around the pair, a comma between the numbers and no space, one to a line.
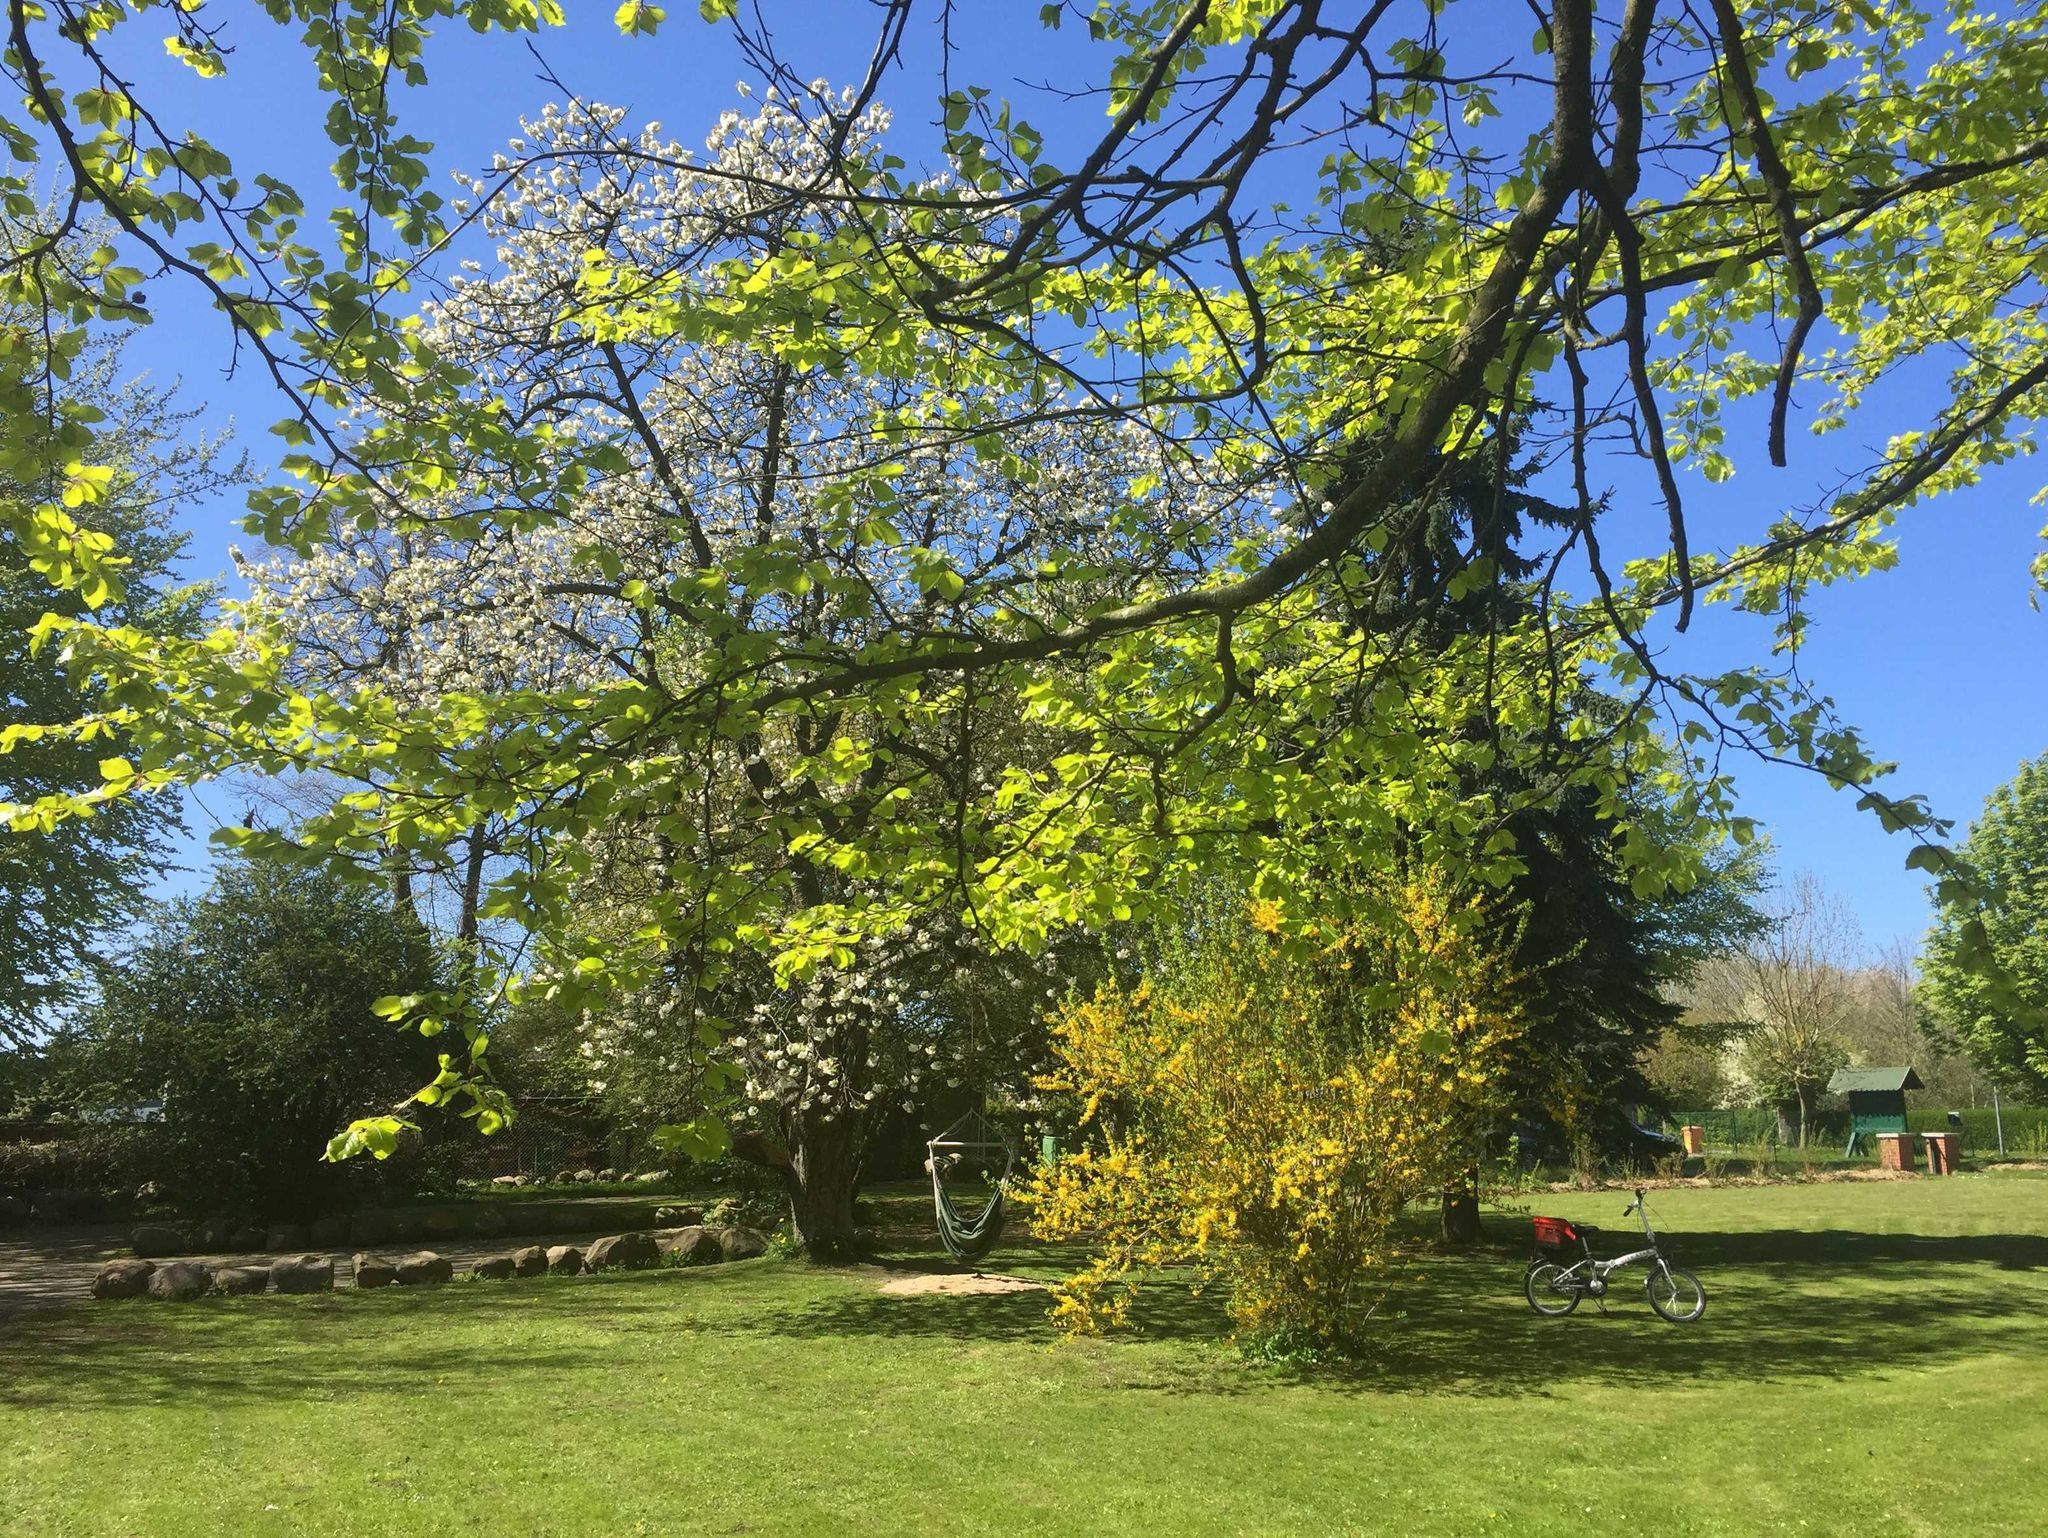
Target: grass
(1873,1359)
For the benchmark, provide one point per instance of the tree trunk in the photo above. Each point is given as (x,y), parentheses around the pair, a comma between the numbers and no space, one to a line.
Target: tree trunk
(468,920)
(819,1159)
(1786,1130)
(822,1181)
(1802,1116)
(403,896)
(819,1176)
(1461,1216)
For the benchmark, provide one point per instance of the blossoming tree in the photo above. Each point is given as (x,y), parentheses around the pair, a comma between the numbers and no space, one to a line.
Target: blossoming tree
(828,460)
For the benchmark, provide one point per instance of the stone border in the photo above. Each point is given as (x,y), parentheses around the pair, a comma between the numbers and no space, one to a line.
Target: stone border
(383,1225)
(181,1281)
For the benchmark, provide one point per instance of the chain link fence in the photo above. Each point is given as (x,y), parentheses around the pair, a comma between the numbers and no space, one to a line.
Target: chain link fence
(1743,1128)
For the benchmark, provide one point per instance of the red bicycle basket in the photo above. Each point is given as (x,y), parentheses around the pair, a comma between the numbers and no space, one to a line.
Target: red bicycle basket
(1554,1232)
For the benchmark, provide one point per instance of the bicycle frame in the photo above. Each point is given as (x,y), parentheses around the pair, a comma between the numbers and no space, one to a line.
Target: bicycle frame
(1591,1273)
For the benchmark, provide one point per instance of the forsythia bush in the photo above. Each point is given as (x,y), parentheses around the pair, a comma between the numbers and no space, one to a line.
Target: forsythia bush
(1260,1110)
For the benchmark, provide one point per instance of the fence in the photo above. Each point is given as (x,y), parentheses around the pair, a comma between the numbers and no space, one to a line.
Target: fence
(1747,1126)
(2026,1128)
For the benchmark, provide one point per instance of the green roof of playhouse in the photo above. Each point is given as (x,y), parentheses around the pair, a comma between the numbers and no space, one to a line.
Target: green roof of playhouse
(1847,1079)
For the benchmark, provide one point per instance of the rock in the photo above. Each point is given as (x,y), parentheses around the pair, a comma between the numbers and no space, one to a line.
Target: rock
(562,1178)
(328,1232)
(248,1238)
(212,1236)
(374,1271)
(739,1243)
(677,1217)
(565,1260)
(584,1177)
(159,1239)
(425,1269)
(488,1223)
(649,1177)
(508,1180)
(287,1237)
(610,1177)
(697,1245)
(370,1227)
(123,1278)
(239,1281)
(531,1261)
(494,1268)
(622,1252)
(180,1281)
(303,1273)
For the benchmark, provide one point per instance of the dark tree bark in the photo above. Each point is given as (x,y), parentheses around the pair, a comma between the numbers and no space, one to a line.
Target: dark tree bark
(1789,1120)
(820,1175)
(1461,1225)
(474,853)
(823,1182)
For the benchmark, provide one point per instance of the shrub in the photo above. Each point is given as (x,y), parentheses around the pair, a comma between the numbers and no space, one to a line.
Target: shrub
(95,1168)
(247,1014)
(1261,1109)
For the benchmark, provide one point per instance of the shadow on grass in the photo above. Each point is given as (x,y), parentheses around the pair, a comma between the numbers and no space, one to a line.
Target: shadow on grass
(1829,1304)
(449,1339)
(1805,1248)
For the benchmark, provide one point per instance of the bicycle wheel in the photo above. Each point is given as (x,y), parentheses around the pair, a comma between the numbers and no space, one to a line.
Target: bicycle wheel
(1541,1288)
(1676,1293)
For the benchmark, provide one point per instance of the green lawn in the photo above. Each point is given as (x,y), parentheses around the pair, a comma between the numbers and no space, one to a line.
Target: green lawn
(1874,1360)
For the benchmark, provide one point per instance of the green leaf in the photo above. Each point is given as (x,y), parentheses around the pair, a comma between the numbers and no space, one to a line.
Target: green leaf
(1434,1042)
(705,1137)
(636,18)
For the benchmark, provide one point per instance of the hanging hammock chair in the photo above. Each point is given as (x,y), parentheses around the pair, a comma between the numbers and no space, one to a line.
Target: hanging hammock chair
(973,1142)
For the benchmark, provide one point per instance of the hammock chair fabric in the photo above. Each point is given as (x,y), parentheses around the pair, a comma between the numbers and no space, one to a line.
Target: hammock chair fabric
(972,1139)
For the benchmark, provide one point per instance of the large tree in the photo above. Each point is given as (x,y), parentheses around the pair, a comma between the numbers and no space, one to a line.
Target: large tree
(1999,1014)
(1596,955)
(1794,991)
(1316,254)
(714,449)
(65,888)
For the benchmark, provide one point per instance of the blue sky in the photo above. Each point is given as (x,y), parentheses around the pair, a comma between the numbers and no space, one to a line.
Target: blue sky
(1943,662)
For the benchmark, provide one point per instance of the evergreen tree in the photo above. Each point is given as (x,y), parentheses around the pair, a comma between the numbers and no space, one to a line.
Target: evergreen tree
(1599,956)
(247,1013)
(63,888)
